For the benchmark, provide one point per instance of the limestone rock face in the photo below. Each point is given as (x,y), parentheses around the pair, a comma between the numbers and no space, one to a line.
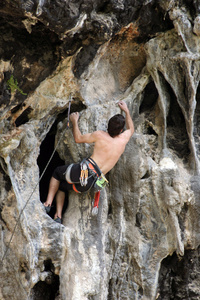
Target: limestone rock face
(144,241)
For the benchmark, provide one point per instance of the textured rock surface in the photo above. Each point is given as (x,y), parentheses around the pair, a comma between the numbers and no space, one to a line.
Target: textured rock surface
(144,242)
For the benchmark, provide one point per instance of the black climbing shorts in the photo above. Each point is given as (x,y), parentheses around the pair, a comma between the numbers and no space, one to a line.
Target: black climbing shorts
(59,174)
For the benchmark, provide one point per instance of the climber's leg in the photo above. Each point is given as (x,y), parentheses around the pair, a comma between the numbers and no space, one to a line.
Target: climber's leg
(53,188)
(57,176)
(60,199)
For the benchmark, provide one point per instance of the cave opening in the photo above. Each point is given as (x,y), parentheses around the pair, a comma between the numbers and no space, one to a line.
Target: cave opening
(177,137)
(149,99)
(153,19)
(179,276)
(83,59)
(192,7)
(24,117)
(46,290)
(110,290)
(46,150)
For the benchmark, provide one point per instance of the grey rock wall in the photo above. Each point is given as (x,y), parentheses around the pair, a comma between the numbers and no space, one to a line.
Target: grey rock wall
(144,242)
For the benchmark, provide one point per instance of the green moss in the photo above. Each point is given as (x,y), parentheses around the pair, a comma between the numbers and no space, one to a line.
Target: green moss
(13,85)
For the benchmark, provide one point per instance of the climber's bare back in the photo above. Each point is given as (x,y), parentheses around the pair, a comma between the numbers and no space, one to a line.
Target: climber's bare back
(107,149)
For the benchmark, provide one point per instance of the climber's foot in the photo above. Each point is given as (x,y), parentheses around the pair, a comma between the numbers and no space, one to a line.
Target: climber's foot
(58,220)
(47,208)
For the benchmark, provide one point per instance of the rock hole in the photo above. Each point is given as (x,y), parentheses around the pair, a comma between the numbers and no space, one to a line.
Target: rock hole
(1,219)
(23,118)
(4,91)
(150,98)
(5,180)
(177,138)
(152,19)
(48,265)
(5,187)
(192,7)
(138,219)
(83,59)
(150,130)
(181,219)
(16,108)
(176,275)
(110,290)
(140,291)
(104,7)
(146,175)
(46,290)
(77,105)
(110,210)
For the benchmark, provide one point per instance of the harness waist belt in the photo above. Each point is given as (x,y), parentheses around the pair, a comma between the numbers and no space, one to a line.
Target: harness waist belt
(67,174)
(93,166)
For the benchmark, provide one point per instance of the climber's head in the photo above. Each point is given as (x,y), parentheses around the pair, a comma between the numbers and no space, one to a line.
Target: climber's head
(116,125)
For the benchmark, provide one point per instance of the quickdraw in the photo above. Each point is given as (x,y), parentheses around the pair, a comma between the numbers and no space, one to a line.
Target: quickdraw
(84,173)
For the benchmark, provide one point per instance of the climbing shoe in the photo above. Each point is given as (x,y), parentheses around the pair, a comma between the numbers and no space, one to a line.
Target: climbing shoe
(58,220)
(47,209)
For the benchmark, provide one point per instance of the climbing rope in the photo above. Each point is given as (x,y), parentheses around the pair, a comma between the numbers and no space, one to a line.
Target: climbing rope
(69,107)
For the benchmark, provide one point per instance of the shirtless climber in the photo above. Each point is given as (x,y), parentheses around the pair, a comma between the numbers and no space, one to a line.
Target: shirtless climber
(108,147)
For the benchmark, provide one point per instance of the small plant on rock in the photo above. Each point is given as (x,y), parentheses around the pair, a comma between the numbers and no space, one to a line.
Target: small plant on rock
(13,85)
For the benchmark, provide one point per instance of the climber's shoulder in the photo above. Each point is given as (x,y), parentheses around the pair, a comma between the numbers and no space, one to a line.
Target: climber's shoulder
(126,135)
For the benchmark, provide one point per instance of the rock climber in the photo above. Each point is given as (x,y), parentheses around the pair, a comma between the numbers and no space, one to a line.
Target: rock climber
(81,177)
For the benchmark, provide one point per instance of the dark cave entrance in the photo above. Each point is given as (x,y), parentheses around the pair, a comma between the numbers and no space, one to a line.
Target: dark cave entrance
(147,107)
(177,137)
(150,98)
(48,289)
(179,276)
(46,150)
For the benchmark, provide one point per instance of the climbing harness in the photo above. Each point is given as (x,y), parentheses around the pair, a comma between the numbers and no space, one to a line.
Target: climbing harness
(89,169)
(69,107)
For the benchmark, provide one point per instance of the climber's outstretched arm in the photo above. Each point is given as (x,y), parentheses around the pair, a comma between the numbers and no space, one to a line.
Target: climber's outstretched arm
(129,122)
(78,136)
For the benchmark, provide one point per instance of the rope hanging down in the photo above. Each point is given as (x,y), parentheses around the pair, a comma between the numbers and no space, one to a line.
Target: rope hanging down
(69,107)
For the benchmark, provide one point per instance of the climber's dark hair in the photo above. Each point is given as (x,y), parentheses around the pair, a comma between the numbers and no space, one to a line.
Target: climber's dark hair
(116,124)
